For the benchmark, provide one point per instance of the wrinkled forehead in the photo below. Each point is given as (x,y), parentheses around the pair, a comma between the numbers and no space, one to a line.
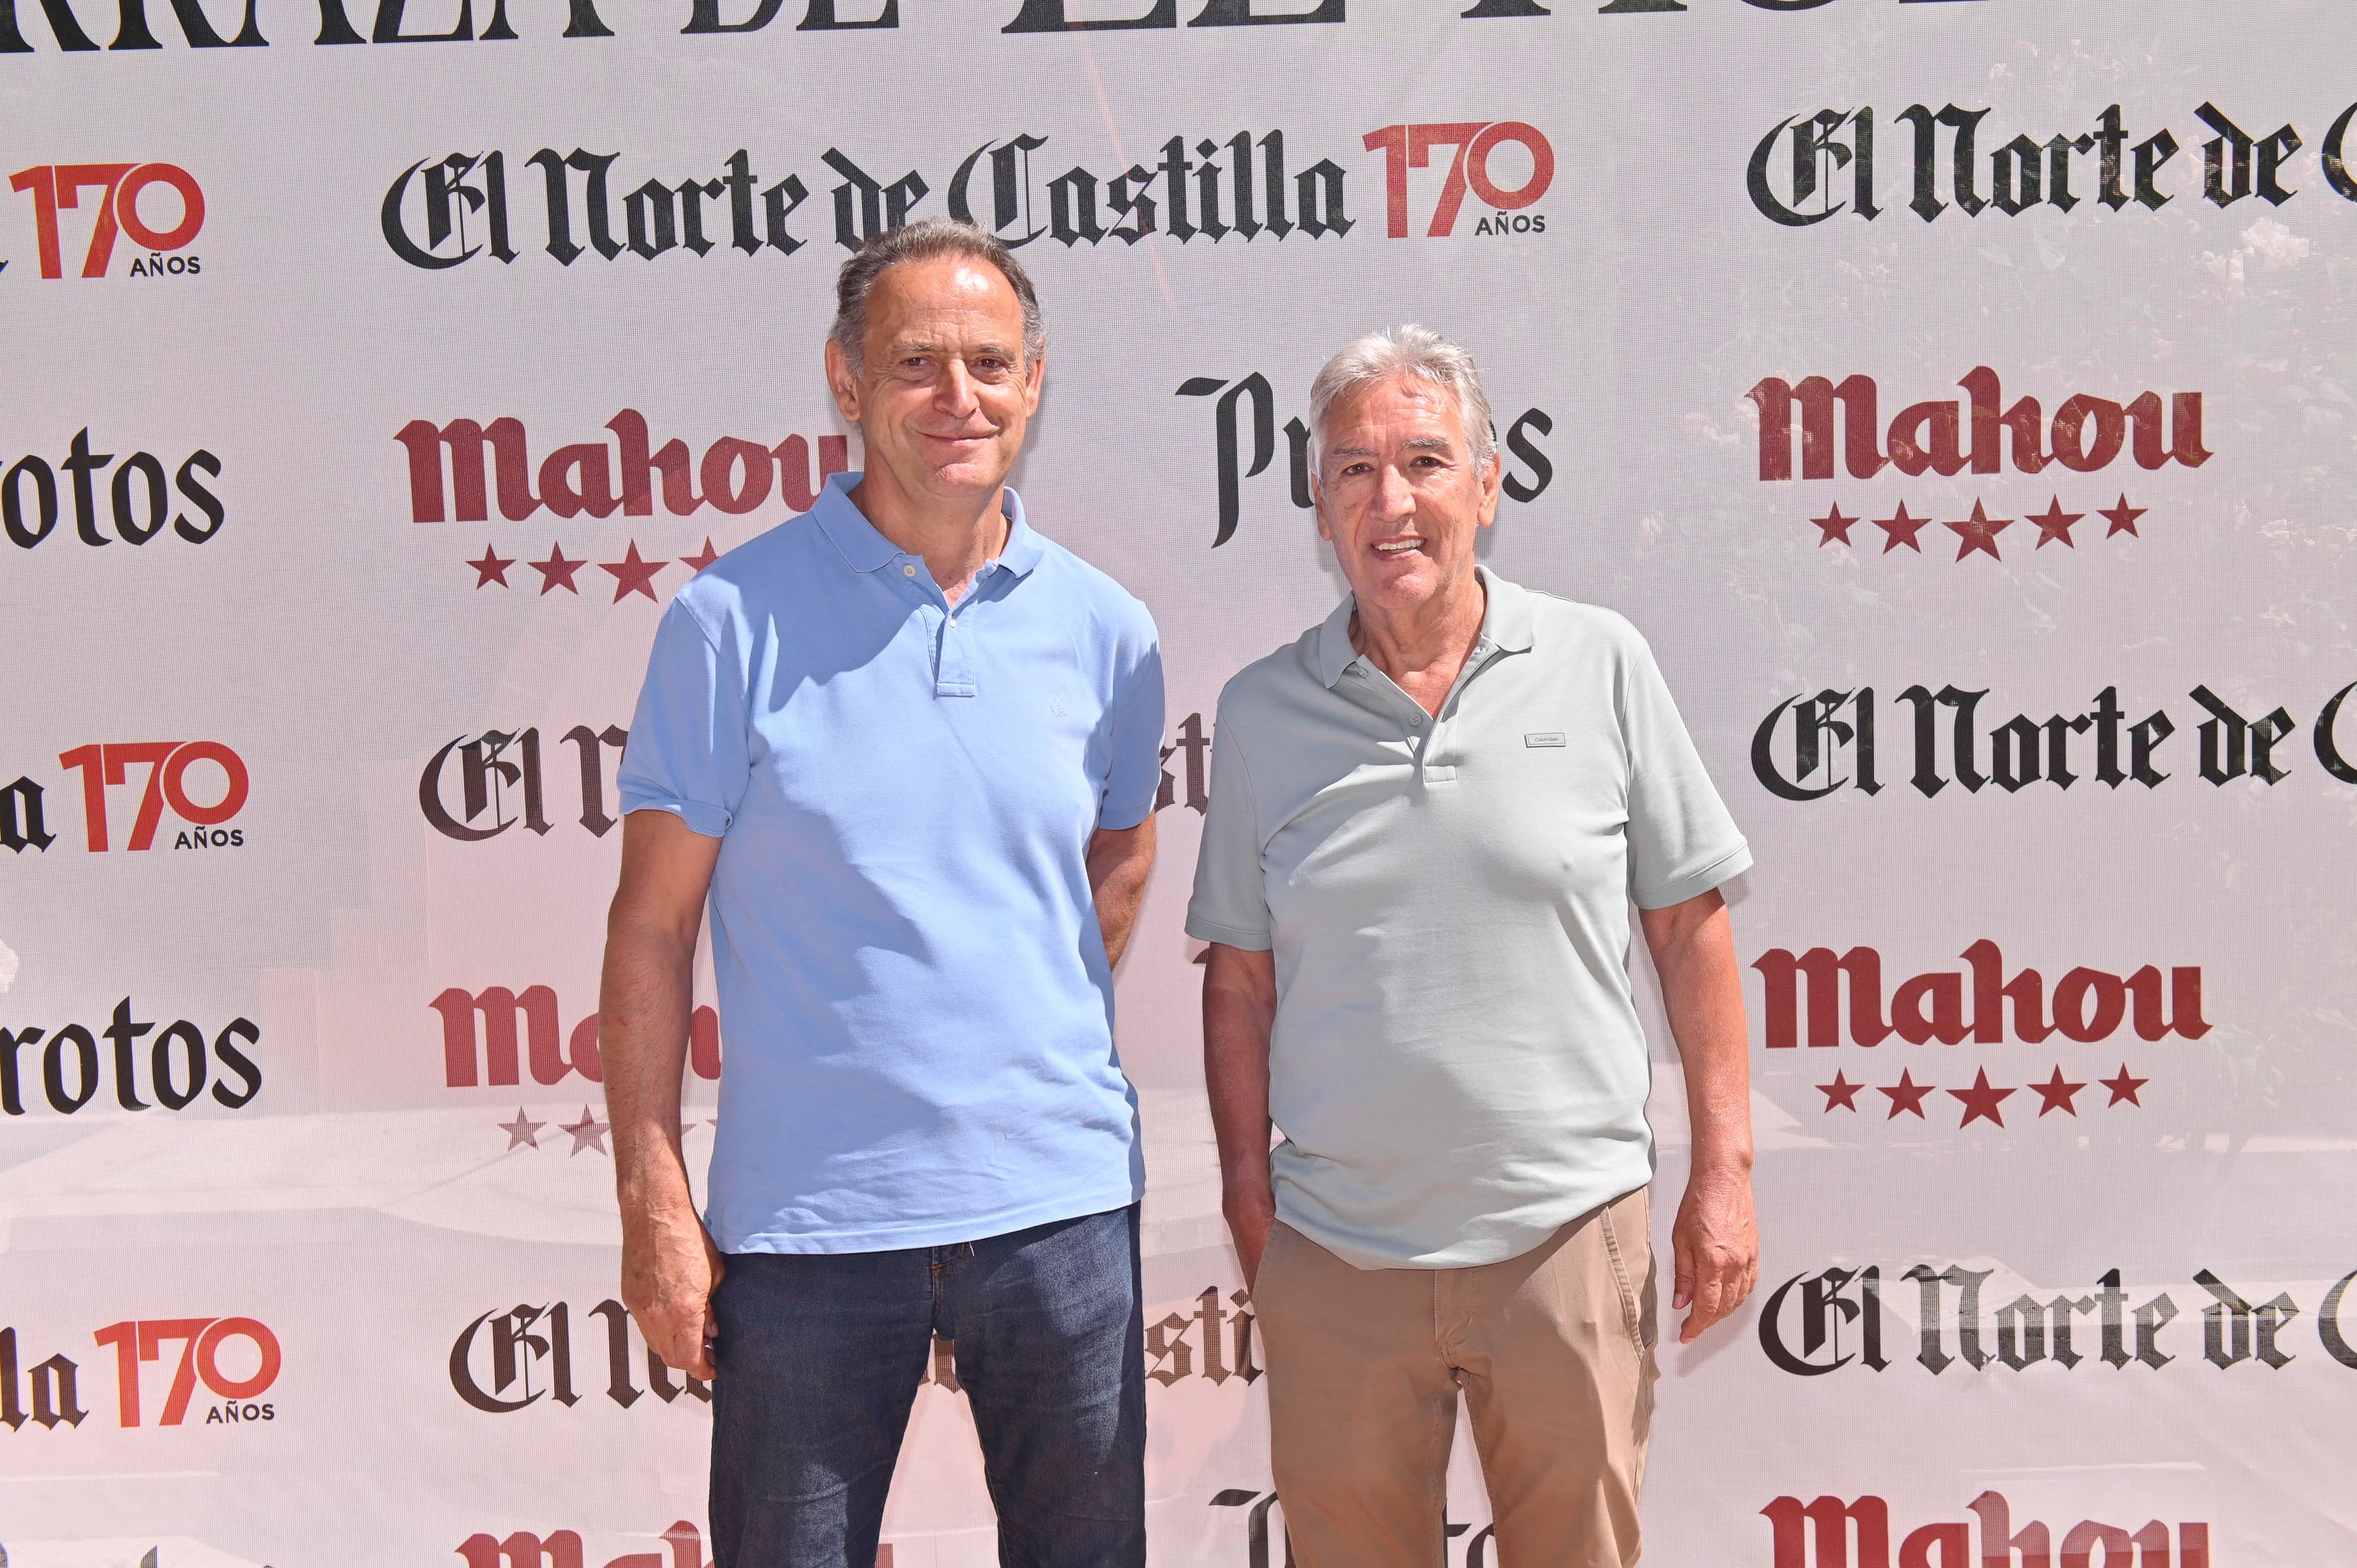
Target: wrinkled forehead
(955,298)
(1392,415)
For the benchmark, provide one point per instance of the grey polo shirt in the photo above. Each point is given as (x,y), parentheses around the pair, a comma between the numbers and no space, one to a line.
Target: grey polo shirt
(1457,1065)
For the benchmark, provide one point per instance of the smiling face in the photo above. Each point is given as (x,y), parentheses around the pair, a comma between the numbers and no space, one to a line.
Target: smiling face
(943,394)
(1400,495)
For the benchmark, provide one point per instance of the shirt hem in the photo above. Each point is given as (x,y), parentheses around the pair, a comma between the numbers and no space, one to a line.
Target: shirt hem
(1460,1254)
(1204,931)
(710,822)
(1695,884)
(937,1233)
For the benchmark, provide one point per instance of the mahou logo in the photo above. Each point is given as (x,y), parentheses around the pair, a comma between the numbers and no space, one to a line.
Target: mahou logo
(65,1066)
(32,500)
(236,1360)
(1821,1534)
(1476,142)
(448,477)
(204,783)
(1980,1003)
(1981,434)
(563,1548)
(1814,1325)
(115,211)
(480,1038)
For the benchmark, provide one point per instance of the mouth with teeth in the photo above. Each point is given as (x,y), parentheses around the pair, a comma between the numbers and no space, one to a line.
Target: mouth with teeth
(1391,549)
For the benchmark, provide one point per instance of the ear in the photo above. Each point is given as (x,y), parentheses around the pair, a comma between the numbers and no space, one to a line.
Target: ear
(1318,504)
(1490,483)
(843,380)
(1034,376)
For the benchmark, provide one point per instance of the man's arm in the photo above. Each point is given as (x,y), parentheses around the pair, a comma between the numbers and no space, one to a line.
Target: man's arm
(669,1264)
(1715,1243)
(1119,859)
(1239,1007)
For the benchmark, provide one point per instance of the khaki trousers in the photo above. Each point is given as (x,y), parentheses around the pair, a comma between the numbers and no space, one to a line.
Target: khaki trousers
(1553,1352)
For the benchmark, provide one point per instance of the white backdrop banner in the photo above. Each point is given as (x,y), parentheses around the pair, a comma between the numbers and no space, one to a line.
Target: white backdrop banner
(1958,393)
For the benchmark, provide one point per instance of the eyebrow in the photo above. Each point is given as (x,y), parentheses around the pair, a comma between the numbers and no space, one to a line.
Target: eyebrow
(1419,444)
(929,346)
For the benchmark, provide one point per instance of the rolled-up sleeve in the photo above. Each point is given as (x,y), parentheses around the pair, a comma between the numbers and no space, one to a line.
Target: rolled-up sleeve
(1682,842)
(1133,779)
(688,752)
(1230,901)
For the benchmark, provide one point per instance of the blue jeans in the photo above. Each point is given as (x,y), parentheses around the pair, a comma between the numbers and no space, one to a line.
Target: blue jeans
(820,1356)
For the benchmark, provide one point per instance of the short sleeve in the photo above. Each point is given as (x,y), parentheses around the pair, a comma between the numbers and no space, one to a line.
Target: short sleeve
(1682,842)
(687,753)
(1134,780)
(1230,901)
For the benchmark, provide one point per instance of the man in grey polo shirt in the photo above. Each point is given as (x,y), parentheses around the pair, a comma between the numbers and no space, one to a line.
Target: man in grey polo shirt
(1429,816)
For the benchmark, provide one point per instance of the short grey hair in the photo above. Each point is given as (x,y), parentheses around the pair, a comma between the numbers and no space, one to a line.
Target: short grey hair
(1418,353)
(924,241)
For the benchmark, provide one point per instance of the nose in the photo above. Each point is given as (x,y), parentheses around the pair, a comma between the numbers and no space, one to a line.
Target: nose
(1394,497)
(953,394)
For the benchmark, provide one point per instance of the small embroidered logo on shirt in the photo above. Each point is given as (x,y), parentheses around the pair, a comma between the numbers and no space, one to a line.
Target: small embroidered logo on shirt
(1544,737)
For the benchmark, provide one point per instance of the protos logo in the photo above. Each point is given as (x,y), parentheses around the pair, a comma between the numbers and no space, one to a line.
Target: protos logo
(56,186)
(1410,146)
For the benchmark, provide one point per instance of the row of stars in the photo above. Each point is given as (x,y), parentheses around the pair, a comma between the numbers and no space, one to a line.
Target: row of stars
(632,575)
(586,1134)
(1979,532)
(1982,1099)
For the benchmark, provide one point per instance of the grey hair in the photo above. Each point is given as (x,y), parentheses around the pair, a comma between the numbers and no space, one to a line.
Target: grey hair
(1416,353)
(924,240)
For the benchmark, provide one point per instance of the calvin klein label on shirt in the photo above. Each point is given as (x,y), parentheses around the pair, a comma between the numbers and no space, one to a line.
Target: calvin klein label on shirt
(1544,737)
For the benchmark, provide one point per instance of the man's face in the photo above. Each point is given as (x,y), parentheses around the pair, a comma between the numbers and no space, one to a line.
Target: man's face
(944,394)
(1399,494)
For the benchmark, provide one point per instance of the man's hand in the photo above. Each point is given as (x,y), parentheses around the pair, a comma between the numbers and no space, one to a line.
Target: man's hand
(1714,1249)
(1715,1245)
(670,1268)
(669,1264)
(1251,1215)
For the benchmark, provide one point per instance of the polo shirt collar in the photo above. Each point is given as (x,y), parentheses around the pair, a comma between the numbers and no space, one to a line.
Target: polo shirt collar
(866,550)
(1505,626)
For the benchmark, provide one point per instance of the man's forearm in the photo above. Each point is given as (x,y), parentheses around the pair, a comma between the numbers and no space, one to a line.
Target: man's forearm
(1118,860)
(1239,1008)
(1702,991)
(643,1013)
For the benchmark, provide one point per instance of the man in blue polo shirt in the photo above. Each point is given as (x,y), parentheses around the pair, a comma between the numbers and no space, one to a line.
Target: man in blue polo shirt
(907,750)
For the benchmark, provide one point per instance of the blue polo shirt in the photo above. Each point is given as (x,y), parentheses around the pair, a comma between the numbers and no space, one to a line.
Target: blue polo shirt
(913,989)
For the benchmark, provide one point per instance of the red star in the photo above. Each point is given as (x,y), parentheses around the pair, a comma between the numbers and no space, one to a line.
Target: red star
(2122,517)
(1835,526)
(1908,1096)
(557,572)
(1979,533)
(2056,1094)
(632,575)
(698,562)
(1840,1091)
(492,568)
(1981,1100)
(2054,524)
(1902,530)
(2124,1087)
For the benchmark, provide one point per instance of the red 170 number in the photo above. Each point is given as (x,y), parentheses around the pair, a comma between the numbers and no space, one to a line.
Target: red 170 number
(54,186)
